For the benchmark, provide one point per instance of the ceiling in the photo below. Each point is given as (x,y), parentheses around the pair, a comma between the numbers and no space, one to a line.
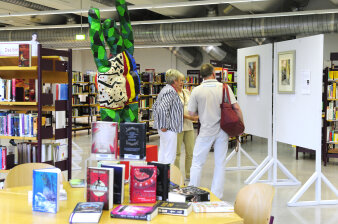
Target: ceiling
(13,19)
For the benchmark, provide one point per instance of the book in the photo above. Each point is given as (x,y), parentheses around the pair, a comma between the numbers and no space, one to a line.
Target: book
(132,140)
(134,212)
(212,206)
(174,208)
(104,137)
(46,188)
(142,188)
(76,183)
(100,183)
(163,180)
(86,212)
(189,194)
(151,153)
(25,55)
(119,170)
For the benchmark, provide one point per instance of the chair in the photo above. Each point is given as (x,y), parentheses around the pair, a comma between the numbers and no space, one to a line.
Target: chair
(176,175)
(253,203)
(21,175)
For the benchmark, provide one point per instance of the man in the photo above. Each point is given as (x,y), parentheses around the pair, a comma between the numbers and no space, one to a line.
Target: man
(205,102)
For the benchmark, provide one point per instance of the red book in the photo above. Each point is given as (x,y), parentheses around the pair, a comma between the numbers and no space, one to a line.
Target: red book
(151,153)
(142,187)
(100,183)
(25,56)
(4,157)
(126,173)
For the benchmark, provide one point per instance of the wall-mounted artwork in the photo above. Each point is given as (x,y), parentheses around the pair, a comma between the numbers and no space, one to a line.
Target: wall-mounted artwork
(252,74)
(286,71)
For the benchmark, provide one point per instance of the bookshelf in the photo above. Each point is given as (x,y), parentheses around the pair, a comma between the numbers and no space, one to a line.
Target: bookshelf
(330,97)
(84,101)
(46,69)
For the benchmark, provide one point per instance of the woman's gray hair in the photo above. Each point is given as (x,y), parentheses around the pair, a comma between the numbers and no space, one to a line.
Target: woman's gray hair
(173,75)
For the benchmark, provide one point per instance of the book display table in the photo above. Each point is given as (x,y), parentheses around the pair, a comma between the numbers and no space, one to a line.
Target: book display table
(15,208)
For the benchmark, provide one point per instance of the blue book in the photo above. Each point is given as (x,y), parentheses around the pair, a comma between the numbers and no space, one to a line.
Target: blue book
(46,187)
(63,92)
(119,170)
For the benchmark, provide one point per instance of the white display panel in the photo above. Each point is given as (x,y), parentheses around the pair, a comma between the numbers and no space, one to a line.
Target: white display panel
(257,109)
(298,115)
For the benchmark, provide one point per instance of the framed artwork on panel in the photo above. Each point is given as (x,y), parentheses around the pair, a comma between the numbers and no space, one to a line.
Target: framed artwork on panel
(252,74)
(286,71)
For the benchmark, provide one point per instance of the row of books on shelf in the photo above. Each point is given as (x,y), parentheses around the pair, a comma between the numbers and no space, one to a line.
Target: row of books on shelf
(151,89)
(332,134)
(18,90)
(192,79)
(144,103)
(89,76)
(150,76)
(84,99)
(332,91)
(332,75)
(84,88)
(26,152)
(3,157)
(331,112)
(83,111)
(23,125)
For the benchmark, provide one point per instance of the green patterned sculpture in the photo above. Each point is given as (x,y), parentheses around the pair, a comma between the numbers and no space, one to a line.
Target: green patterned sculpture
(117,81)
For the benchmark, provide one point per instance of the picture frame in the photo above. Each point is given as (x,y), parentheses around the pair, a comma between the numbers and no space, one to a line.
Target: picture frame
(252,75)
(286,71)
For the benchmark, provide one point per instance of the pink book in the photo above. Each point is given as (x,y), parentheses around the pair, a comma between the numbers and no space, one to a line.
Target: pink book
(143,184)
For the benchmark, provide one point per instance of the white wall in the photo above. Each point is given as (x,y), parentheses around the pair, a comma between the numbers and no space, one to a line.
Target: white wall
(297,115)
(160,59)
(257,109)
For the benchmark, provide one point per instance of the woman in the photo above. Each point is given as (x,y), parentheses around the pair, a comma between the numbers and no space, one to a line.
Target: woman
(187,135)
(168,116)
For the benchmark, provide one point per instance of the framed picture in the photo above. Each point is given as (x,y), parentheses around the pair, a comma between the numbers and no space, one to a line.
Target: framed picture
(252,74)
(286,71)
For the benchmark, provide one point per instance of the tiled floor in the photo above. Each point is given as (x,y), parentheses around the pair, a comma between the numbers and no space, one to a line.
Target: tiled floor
(302,169)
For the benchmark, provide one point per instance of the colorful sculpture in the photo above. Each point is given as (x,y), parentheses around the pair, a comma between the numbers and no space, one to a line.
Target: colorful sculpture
(117,81)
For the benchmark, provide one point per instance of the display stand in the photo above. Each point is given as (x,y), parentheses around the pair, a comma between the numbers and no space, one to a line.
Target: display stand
(238,156)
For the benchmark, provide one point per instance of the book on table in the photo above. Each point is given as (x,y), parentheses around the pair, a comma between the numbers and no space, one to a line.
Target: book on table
(119,170)
(163,180)
(174,208)
(100,186)
(189,194)
(142,187)
(212,206)
(77,183)
(132,140)
(134,212)
(104,137)
(46,190)
(86,212)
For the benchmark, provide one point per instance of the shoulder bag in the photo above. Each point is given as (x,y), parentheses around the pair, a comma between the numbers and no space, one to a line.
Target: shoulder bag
(230,122)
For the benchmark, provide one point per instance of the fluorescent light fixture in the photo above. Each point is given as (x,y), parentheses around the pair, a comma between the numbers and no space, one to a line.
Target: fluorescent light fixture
(133,7)
(80,37)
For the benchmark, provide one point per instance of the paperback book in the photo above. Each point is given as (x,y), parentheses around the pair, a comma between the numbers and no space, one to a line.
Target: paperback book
(104,137)
(46,188)
(174,208)
(132,140)
(134,212)
(189,194)
(100,183)
(212,206)
(163,180)
(86,212)
(25,56)
(143,184)
(119,170)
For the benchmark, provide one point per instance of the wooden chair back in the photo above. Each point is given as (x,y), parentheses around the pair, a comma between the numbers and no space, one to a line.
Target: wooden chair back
(22,175)
(176,175)
(253,203)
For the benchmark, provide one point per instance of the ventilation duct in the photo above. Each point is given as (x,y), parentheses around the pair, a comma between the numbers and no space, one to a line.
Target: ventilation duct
(190,56)
(219,54)
(196,32)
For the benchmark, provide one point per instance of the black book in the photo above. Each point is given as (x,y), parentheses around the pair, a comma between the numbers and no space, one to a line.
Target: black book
(189,194)
(174,208)
(163,180)
(132,140)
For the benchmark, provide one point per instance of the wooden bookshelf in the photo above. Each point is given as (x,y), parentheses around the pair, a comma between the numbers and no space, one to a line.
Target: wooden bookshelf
(18,138)
(19,103)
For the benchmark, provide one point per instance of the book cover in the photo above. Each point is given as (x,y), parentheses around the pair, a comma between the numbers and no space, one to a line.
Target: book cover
(25,56)
(174,208)
(86,212)
(46,187)
(163,180)
(134,212)
(63,92)
(189,194)
(119,170)
(212,206)
(100,182)
(142,188)
(132,140)
(104,137)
